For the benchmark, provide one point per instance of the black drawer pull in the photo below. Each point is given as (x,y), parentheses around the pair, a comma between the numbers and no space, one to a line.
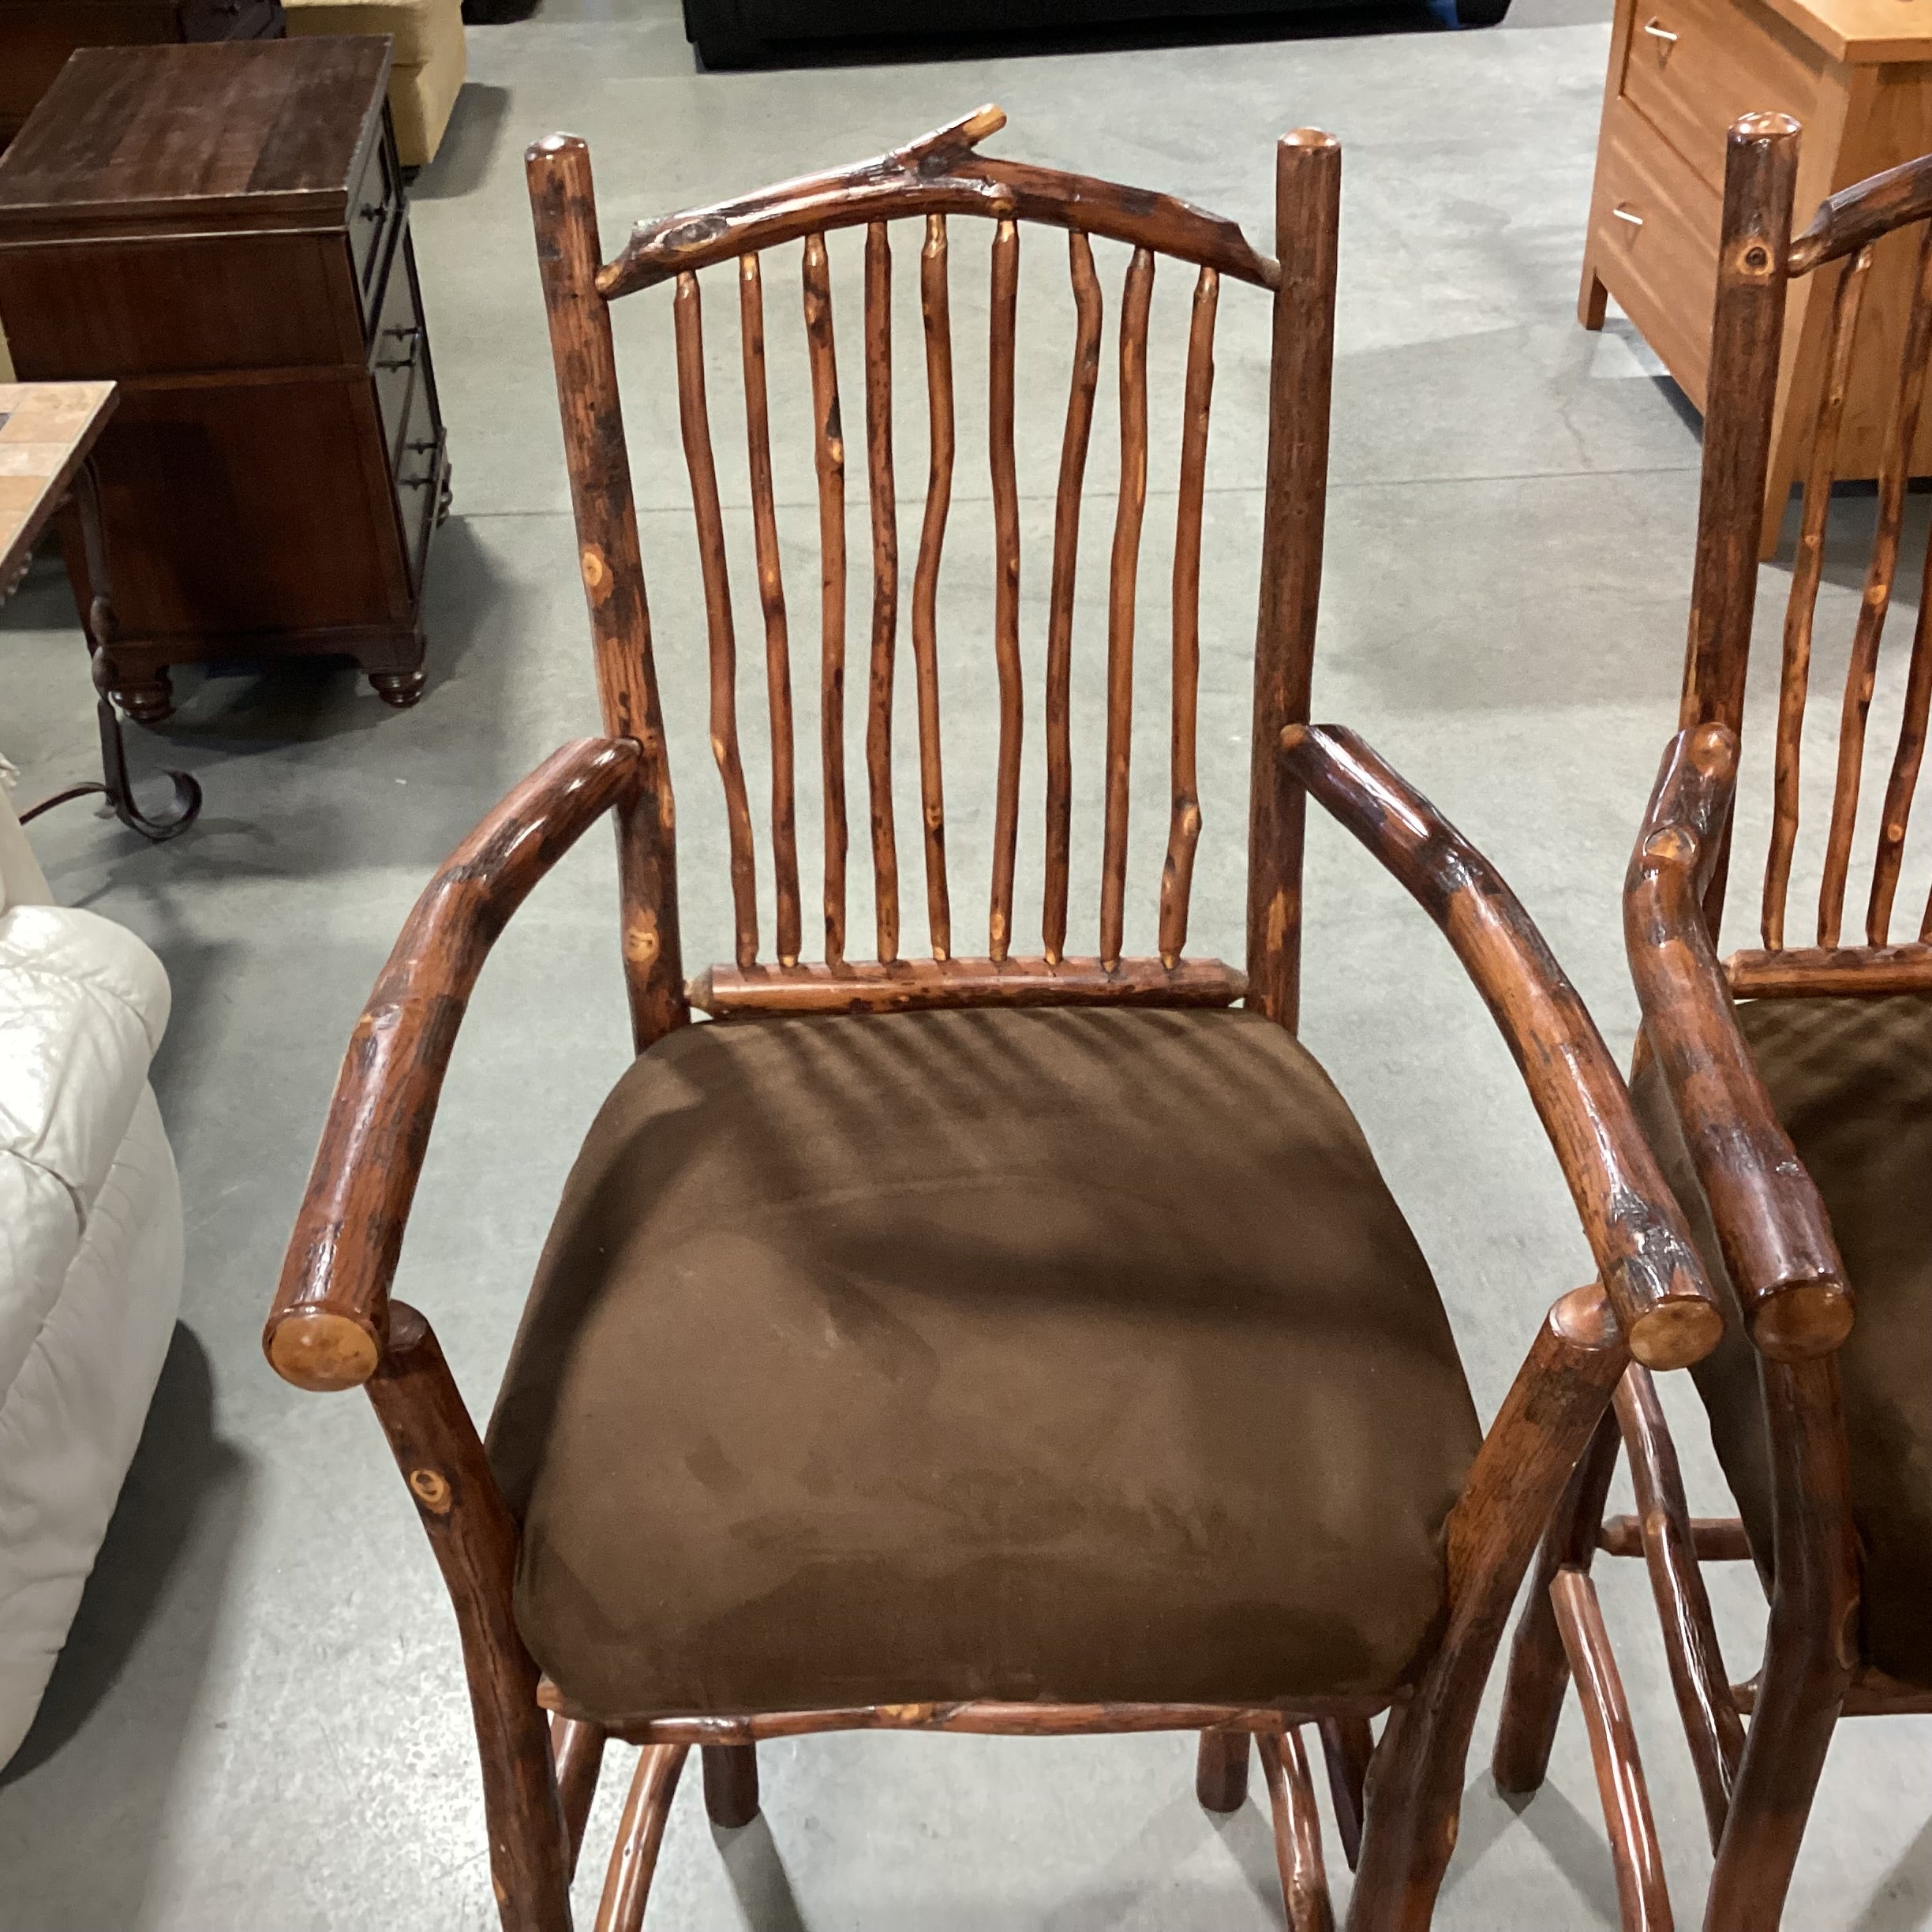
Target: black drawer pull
(429,476)
(372,211)
(407,332)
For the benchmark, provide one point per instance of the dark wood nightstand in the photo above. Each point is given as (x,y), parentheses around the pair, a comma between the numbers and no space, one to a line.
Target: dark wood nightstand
(222,230)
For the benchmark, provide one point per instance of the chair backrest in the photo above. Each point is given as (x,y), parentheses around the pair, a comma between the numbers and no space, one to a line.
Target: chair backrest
(1759,258)
(931,179)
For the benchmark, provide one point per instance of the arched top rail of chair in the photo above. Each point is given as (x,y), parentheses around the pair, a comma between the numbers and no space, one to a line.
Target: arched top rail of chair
(937,174)
(1857,215)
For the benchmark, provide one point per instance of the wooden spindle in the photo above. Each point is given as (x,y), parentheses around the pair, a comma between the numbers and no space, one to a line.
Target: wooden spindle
(1133,410)
(771,601)
(1059,610)
(1799,611)
(1905,763)
(934,307)
(1006,583)
(829,454)
(1184,819)
(693,419)
(1901,434)
(885,583)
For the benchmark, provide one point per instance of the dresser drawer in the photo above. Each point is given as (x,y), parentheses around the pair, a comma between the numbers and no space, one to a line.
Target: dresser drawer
(375,211)
(396,348)
(1693,66)
(1654,227)
(419,474)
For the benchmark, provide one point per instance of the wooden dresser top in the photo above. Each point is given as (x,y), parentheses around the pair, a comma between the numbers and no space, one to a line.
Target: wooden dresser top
(156,134)
(1857,31)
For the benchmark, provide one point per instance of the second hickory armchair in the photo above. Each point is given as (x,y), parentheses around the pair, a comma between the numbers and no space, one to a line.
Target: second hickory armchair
(1016,1342)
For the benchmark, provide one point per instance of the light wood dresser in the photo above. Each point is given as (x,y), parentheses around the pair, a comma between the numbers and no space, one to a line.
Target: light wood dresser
(1857,76)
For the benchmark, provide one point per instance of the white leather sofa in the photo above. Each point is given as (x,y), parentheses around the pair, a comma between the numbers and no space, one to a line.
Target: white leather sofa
(90,1252)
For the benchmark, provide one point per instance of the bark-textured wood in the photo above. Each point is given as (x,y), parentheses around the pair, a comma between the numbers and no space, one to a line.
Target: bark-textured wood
(1006,584)
(1714,1538)
(1862,671)
(437,1449)
(1777,1242)
(577,1752)
(1690,1645)
(1633,1224)
(1856,217)
(326,1329)
(1307,207)
(640,1837)
(1086,378)
(1906,760)
(1415,1782)
(1348,1743)
(1184,813)
(1122,581)
(829,456)
(935,306)
(730,1784)
(1297,1830)
(1643,1897)
(1221,1770)
(884,584)
(694,422)
(564,205)
(1798,972)
(772,603)
(937,174)
(915,985)
(1539,1667)
(1801,607)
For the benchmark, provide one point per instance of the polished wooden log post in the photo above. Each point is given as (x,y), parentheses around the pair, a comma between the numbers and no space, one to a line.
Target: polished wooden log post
(935,304)
(1308,209)
(1861,671)
(1690,1647)
(1906,760)
(694,422)
(1714,1538)
(1811,1648)
(1539,1665)
(1221,1770)
(1415,1780)
(1643,1897)
(576,1754)
(885,585)
(1122,580)
(1005,585)
(1801,605)
(730,1784)
(1297,1830)
(772,603)
(1086,377)
(640,1837)
(828,457)
(1348,1743)
(437,1449)
(564,207)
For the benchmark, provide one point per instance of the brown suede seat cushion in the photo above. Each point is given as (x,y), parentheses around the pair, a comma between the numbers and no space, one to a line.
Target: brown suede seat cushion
(1851,1081)
(1079,1355)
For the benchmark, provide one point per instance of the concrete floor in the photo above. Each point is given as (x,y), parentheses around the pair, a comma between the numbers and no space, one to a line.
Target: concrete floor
(259,1722)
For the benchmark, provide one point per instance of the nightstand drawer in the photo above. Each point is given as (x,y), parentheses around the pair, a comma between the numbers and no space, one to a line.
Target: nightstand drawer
(1653,239)
(375,210)
(1694,66)
(395,348)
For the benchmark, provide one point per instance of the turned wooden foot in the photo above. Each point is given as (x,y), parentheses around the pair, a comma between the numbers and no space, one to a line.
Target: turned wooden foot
(148,700)
(400,688)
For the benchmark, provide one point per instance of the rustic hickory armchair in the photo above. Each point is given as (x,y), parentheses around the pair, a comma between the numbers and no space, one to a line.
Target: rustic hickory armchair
(1788,1093)
(993,1344)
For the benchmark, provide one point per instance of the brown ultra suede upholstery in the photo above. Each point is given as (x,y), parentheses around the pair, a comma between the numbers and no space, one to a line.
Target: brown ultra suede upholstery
(1851,1081)
(1079,1355)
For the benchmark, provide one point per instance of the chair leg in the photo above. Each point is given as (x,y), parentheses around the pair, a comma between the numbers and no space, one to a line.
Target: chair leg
(640,1837)
(1711,1726)
(1539,1673)
(1221,1770)
(1297,1830)
(1348,1743)
(577,1749)
(730,1784)
(1415,1792)
(436,1448)
(1642,1896)
(1811,1648)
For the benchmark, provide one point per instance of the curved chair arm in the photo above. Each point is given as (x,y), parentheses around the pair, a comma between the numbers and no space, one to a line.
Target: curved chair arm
(1635,1229)
(1771,1223)
(330,1315)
